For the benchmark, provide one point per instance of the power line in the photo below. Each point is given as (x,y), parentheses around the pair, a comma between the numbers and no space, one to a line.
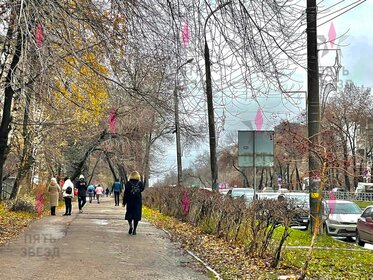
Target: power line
(358,4)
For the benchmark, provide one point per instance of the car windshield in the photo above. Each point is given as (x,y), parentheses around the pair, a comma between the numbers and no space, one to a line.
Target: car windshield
(345,208)
(238,193)
(268,195)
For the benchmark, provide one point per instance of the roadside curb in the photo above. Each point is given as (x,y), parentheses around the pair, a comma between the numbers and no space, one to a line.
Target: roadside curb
(217,275)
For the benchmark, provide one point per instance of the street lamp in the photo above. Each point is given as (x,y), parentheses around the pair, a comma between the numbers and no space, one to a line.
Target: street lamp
(177,125)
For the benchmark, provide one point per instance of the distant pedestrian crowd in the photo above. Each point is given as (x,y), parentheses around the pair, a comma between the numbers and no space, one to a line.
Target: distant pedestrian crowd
(131,192)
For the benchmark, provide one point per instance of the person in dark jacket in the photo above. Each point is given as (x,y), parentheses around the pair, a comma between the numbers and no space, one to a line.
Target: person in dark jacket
(133,199)
(81,185)
(116,188)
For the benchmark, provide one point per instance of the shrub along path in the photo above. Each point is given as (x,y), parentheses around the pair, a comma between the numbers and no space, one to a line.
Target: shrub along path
(95,245)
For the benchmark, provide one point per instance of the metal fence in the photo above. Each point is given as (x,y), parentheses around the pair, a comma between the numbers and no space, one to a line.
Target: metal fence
(348,196)
(6,191)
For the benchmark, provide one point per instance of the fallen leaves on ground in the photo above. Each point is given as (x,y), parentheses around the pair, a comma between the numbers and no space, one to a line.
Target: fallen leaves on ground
(228,259)
(12,223)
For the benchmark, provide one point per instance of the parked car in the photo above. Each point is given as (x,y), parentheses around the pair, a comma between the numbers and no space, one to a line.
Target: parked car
(364,191)
(302,202)
(342,217)
(365,227)
(239,192)
(299,200)
(282,190)
(224,191)
(268,189)
(267,195)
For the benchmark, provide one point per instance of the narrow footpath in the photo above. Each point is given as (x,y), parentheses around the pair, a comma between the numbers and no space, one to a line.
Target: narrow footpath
(95,245)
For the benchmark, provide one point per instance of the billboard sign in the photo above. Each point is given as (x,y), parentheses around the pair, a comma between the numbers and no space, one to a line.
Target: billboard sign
(255,148)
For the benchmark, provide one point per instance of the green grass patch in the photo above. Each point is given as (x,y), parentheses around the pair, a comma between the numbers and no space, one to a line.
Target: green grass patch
(363,204)
(331,259)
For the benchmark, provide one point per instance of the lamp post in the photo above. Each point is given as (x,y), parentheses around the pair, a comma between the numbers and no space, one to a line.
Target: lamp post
(177,125)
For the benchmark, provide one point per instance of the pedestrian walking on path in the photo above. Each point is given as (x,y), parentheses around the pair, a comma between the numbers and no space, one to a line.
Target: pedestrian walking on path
(81,185)
(54,191)
(95,248)
(133,199)
(99,191)
(116,188)
(91,190)
(68,194)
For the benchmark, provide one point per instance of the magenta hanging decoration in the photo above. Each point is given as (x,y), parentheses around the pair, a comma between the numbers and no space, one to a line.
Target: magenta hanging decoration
(332,35)
(39,203)
(39,35)
(331,202)
(259,119)
(185,34)
(112,120)
(185,202)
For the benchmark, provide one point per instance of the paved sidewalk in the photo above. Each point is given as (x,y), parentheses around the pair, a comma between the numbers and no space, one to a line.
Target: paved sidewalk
(95,245)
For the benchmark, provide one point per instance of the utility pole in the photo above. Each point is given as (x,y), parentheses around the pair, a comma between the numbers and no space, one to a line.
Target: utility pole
(177,125)
(210,104)
(313,114)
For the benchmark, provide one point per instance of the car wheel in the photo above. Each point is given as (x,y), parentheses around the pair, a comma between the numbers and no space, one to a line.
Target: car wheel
(325,229)
(358,241)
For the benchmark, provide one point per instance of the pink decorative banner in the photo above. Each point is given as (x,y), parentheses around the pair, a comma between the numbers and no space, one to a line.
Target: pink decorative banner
(185,34)
(39,37)
(112,120)
(185,202)
(259,120)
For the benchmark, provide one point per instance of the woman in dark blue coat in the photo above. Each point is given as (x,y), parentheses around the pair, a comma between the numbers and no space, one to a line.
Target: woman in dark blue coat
(133,199)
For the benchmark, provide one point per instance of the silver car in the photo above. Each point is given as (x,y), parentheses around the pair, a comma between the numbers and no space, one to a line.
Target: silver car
(342,217)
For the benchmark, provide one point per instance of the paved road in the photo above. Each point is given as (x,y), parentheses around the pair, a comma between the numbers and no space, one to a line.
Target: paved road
(95,245)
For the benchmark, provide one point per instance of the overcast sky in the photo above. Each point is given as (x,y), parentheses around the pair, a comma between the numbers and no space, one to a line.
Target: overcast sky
(354,37)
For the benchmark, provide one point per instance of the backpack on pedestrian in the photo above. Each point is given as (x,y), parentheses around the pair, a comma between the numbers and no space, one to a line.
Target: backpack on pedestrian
(69,190)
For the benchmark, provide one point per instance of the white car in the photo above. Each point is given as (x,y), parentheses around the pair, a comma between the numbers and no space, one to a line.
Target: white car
(342,218)
(240,192)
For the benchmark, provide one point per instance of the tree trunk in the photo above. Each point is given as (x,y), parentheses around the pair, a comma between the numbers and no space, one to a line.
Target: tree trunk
(94,168)
(345,157)
(211,119)
(146,170)
(266,182)
(79,165)
(261,179)
(271,175)
(299,182)
(7,107)
(27,159)
(112,169)
(288,174)
(123,173)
